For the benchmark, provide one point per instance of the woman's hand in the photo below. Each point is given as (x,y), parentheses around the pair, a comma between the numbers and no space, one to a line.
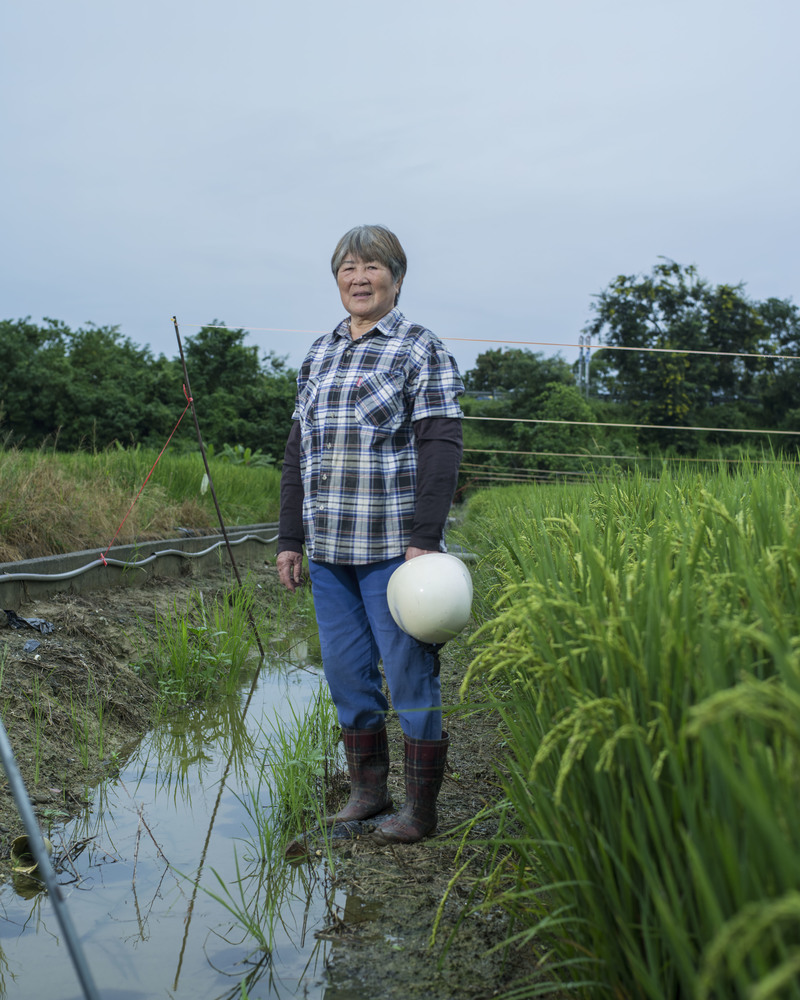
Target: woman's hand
(412,552)
(290,569)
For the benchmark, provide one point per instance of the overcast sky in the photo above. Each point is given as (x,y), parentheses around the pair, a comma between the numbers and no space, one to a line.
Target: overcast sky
(198,159)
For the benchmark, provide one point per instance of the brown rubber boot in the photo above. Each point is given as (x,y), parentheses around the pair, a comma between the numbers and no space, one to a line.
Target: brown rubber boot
(424,767)
(367,753)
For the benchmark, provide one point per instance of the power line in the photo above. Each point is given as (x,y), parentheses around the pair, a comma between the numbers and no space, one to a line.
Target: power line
(584,346)
(536,343)
(617,458)
(655,427)
(644,350)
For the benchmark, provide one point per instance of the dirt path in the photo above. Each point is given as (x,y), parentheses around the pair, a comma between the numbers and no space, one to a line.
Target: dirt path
(396,896)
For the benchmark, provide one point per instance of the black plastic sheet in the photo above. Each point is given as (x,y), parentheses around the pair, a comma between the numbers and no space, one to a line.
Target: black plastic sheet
(39,624)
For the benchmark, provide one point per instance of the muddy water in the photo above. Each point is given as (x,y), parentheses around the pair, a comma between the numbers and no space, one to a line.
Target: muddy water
(170,827)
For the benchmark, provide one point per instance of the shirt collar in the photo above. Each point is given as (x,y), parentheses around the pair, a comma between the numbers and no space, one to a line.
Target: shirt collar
(389,325)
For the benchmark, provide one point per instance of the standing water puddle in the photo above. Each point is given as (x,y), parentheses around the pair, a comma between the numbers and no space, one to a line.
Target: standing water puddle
(154,839)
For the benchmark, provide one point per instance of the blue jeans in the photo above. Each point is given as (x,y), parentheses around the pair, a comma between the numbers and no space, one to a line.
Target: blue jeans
(356,632)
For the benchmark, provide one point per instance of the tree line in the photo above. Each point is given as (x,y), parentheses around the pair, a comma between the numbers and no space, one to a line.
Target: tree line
(92,387)
(738,372)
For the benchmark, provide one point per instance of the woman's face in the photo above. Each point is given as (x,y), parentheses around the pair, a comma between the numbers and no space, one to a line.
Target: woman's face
(367,289)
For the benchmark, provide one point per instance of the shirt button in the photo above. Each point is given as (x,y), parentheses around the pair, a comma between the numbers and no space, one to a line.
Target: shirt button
(324,476)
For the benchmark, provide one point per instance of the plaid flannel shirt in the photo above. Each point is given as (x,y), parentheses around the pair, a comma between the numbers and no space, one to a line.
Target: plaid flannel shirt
(356,403)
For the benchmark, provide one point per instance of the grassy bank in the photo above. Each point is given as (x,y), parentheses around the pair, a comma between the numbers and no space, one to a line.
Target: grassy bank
(52,503)
(641,638)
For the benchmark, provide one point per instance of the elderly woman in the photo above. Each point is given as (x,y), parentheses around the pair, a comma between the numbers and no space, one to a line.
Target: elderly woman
(368,478)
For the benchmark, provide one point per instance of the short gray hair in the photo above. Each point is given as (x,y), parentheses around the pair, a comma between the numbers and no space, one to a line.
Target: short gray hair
(370,243)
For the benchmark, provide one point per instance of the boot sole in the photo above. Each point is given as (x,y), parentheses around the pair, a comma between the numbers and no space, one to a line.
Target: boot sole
(341,817)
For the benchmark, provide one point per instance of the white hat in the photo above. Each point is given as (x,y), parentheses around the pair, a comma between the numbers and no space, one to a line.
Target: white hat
(430,596)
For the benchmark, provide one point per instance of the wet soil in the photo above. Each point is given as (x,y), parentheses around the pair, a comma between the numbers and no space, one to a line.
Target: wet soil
(74,703)
(409,927)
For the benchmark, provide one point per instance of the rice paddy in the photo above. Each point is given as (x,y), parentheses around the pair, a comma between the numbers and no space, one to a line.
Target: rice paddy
(642,642)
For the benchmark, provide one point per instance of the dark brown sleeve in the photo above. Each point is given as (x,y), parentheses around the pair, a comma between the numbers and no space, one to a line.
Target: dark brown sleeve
(291,534)
(439,449)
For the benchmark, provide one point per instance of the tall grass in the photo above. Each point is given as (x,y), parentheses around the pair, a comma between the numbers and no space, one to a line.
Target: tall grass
(300,748)
(53,502)
(37,718)
(301,751)
(201,649)
(87,723)
(643,639)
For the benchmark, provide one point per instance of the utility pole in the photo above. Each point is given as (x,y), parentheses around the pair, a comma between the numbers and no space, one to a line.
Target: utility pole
(585,344)
(588,346)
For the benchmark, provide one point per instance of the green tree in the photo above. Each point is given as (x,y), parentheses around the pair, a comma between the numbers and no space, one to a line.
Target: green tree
(34,377)
(516,376)
(506,385)
(91,387)
(217,358)
(674,308)
(240,400)
(778,385)
(117,391)
(556,446)
(83,388)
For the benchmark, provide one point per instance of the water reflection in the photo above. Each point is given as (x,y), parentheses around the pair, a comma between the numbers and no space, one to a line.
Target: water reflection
(183,754)
(154,870)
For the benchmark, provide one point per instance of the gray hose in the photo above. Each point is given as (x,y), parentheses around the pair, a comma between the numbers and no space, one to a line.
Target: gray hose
(4,577)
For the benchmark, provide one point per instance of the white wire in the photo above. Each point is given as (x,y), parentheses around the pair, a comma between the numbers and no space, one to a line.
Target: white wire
(533,343)
(654,427)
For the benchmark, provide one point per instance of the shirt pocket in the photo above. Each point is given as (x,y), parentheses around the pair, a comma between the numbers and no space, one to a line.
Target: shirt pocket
(380,403)
(306,402)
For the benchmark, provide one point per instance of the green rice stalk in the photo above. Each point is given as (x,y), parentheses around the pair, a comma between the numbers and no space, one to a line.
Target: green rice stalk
(643,642)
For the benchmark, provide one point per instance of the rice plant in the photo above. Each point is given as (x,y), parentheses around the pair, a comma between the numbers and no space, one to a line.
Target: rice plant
(3,659)
(289,790)
(37,714)
(203,648)
(299,759)
(643,641)
(81,729)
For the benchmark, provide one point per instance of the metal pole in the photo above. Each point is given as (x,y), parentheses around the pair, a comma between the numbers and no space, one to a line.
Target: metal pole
(42,858)
(250,618)
(188,918)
